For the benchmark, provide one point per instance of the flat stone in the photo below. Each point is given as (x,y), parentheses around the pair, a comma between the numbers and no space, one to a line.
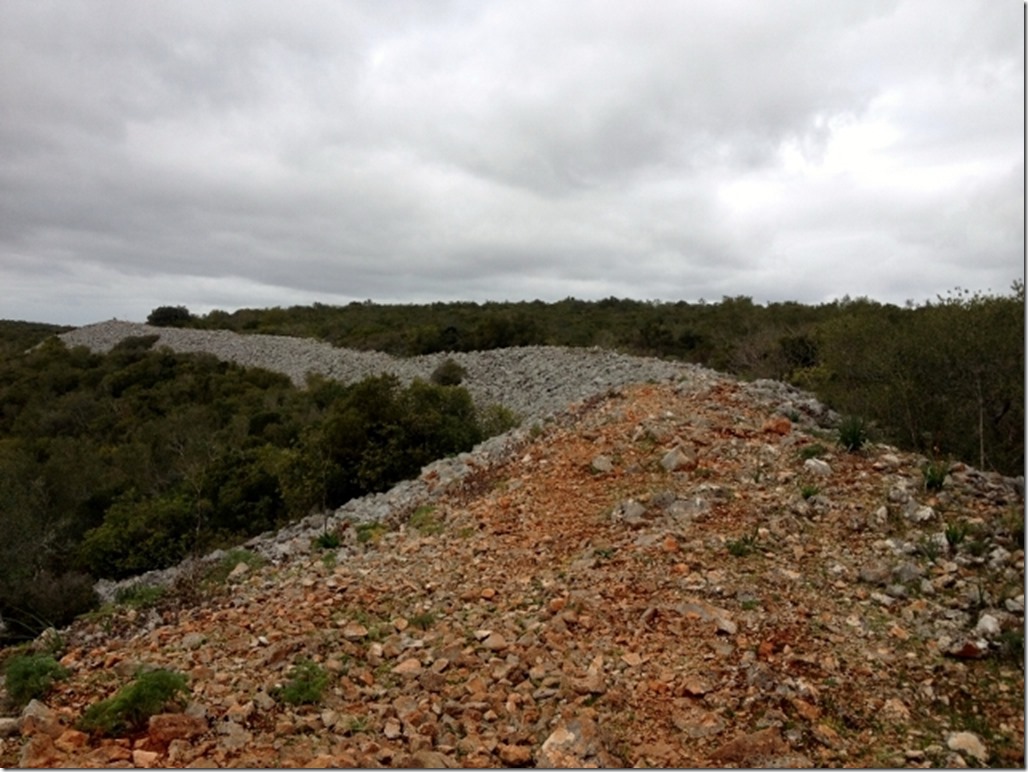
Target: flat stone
(426,759)
(988,626)
(969,744)
(678,458)
(146,759)
(750,748)
(495,642)
(70,740)
(410,666)
(354,631)
(817,466)
(515,755)
(577,743)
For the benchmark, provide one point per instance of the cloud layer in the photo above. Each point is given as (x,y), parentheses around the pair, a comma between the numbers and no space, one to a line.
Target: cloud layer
(252,153)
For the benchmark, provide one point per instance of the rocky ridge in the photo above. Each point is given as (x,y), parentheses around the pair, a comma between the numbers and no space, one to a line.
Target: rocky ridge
(682,573)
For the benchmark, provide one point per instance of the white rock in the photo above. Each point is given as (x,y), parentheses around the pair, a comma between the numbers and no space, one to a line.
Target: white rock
(988,626)
(1015,605)
(817,466)
(968,743)
(920,514)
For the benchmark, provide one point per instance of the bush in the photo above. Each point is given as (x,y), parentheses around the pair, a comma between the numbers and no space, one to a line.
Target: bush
(307,680)
(448,373)
(129,710)
(327,541)
(169,316)
(497,419)
(853,433)
(935,475)
(31,676)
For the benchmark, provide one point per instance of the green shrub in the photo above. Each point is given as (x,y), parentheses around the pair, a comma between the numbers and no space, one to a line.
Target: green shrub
(935,475)
(327,541)
(853,433)
(370,532)
(128,711)
(139,595)
(807,491)
(955,534)
(424,520)
(1011,646)
(448,373)
(742,546)
(169,316)
(307,680)
(496,419)
(31,676)
(423,620)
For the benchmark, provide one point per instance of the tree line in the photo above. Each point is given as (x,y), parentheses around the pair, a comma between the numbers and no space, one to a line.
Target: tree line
(945,378)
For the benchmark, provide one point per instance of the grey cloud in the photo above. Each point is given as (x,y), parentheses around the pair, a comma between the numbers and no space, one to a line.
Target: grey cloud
(427,151)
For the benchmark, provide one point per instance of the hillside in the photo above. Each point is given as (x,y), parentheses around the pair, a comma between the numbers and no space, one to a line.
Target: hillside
(668,574)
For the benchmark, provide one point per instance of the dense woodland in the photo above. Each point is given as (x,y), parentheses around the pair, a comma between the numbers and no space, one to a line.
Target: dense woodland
(115,464)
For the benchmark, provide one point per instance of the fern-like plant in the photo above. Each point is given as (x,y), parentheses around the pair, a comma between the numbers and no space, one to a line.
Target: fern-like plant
(31,676)
(128,711)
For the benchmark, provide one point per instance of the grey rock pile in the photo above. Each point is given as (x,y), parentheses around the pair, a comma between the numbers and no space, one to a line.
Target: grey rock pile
(532,381)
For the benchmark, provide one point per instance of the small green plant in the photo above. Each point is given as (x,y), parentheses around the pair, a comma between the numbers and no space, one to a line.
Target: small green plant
(328,540)
(812,451)
(853,433)
(742,546)
(1013,523)
(139,596)
(448,373)
(935,475)
(497,419)
(356,724)
(928,548)
(31,676)
(809,491)
(425,521)
(604,553)
(129,710)
(955,534)
(370,532)
(307,680)
(1011,645)
(977,547)
(219,573)
(423,620)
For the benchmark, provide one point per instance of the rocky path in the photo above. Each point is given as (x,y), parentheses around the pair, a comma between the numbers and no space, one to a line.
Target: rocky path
(674,574)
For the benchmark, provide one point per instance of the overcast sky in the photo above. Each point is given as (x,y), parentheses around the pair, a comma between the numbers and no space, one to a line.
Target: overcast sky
(251,154)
